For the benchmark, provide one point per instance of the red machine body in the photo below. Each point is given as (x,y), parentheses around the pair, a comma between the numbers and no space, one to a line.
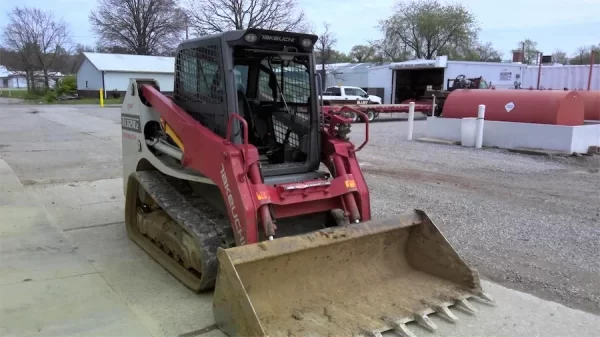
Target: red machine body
(524,106)
(591,102)
(248,197)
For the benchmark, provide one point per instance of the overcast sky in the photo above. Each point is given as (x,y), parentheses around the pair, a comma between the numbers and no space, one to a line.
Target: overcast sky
(565,25)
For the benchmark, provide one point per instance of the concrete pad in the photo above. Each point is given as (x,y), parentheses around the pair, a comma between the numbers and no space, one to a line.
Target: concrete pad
(77,143)
(516,314)
(82,204)
(73,119)
(164,305)
(59,166)
(33,249)
(74,306)
(8,179)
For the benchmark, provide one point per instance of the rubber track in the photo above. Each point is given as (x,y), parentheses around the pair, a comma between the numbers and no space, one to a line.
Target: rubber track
(203,222)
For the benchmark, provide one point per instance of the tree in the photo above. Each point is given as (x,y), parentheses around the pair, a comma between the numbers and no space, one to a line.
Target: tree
(583,55)
(337,56)
(560,56)
(530,51)
(425,27)
(10,59)
(390,49)
(362,53)
(144,27)
(215,16)
(39,38)
(478,52)
(324,50)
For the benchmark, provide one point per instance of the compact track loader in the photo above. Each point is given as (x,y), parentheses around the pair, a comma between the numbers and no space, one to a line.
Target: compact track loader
(240,183)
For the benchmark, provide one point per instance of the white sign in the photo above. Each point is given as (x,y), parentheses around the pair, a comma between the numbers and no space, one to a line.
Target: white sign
(509,106)
(506,76)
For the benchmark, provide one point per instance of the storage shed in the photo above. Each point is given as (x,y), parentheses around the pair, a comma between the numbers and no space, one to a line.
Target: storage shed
(111,72)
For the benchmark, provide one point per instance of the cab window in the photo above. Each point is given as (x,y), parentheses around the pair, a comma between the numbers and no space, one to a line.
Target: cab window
(333,91)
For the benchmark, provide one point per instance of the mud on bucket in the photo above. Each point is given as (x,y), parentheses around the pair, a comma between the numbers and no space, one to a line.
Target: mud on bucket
(364,278)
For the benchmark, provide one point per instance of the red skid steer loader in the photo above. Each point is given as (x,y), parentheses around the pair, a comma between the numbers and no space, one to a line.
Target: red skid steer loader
(239,183)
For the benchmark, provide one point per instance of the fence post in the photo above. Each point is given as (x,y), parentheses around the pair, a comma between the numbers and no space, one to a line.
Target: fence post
(101,98)
(411,119)
(479,129)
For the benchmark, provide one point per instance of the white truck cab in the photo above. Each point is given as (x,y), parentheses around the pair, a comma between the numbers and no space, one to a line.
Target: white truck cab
(346,94)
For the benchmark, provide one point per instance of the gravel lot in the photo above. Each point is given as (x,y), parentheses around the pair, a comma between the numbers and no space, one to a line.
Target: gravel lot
(529,222)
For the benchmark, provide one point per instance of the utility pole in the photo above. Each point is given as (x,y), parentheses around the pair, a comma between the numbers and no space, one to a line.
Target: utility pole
(539,69)
(592,51)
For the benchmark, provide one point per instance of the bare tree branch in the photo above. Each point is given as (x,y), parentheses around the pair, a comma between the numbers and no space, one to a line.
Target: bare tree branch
(530,51)
(324,49)
(215,16)
(39,38)
(144,27)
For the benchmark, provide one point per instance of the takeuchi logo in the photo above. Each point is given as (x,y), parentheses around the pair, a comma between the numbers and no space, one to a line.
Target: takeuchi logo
(278,38)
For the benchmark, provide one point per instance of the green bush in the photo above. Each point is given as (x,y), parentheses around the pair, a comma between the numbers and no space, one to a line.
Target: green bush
(66,86)
(49,97)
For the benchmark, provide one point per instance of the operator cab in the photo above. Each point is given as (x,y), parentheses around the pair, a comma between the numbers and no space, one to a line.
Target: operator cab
(268,78)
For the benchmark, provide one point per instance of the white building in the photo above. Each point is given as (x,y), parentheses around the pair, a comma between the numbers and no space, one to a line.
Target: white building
(9,79)
(18,79)
(112,72)
(399,80)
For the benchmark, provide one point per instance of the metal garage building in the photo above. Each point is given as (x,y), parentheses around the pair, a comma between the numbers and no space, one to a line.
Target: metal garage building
(111,72)
(395,82)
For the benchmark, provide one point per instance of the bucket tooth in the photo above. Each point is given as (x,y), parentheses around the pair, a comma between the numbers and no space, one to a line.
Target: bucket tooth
(445,312)
(466,306)
(399,327)
(425,322)
(402,330)
(485,296)
(369,333)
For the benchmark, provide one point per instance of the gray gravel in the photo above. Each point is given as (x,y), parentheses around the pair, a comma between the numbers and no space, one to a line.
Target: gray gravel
(529,222)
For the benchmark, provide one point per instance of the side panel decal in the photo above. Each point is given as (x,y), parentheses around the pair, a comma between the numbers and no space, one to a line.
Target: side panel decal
(131,123)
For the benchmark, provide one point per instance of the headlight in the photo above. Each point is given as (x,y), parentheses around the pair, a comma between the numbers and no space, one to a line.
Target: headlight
(251,37)
(306,43)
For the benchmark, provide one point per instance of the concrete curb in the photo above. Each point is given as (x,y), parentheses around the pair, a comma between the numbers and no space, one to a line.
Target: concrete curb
(437,141)
(540,152)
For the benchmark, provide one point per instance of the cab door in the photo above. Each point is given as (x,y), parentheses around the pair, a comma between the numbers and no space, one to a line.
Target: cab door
(354,95)
(350,94)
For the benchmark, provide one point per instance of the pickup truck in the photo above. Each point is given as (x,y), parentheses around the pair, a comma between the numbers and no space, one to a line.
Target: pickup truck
(348,95)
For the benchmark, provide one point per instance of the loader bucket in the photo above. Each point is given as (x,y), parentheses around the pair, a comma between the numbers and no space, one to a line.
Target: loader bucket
(359,280)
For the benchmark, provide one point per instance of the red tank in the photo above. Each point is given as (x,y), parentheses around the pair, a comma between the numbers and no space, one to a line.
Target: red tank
(524,106)
(591,105)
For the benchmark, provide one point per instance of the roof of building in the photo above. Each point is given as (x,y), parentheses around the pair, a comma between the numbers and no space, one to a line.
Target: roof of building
(131,63)
(5,73)
(342,67)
